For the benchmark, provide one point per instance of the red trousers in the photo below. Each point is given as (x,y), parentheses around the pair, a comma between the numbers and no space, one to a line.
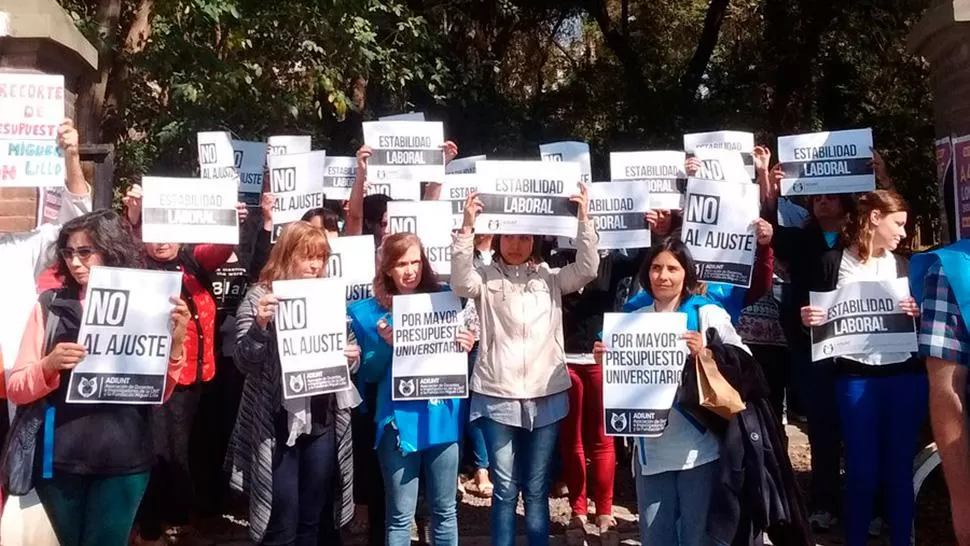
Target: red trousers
(582,436)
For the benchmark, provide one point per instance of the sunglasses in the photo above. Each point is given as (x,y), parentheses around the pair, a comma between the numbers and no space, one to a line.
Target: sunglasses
(83,253)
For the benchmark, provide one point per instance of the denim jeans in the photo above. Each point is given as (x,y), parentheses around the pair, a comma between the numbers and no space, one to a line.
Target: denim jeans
(520,461)
(674,505)
(401,472)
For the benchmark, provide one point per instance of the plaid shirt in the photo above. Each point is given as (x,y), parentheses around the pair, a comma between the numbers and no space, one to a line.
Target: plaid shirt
(943,333)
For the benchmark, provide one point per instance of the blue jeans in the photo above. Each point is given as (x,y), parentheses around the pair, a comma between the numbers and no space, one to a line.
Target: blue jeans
(401,472)
(520,461)
(881,422)
(303,483)
(674,505)
(473,429)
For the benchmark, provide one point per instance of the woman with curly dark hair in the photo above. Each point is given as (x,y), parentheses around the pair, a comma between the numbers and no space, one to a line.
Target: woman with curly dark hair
(101,454)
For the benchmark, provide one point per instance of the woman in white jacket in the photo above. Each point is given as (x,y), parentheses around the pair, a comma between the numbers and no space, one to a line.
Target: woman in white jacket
(520,383)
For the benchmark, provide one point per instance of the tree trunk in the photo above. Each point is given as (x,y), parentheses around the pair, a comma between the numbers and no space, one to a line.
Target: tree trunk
(691,80)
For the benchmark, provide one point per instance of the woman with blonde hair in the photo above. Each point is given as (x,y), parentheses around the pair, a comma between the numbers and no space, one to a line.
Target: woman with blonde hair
(882,396)
(415,435)
(285,453)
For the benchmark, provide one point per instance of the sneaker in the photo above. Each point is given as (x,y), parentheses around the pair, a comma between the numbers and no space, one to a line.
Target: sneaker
(822,521)
(875,527)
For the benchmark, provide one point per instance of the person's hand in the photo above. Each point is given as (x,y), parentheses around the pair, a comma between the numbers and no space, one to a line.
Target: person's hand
(473,207)
(692,166)
(599,349)
(909,306)
(695,342)
(363,154)
(466,340)
(242,211)
(659,221)
(180,322)
(64,356)
(762,158)
(763,231)
(266,310)
(352,352)
(812,316)
(385,331)
(132,203)
(651,218)
(266,203)
(451,151)
(582,200)
(68,139)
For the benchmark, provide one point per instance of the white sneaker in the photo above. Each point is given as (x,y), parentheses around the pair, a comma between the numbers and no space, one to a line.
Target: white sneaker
(875,527)
(822,521)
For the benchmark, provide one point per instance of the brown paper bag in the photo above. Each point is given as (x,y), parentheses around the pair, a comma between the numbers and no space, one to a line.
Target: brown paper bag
(715,393)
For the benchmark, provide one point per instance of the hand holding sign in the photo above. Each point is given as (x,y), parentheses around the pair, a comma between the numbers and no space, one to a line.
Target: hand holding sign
(762,158)
(763,231)
(352,352)
(599,349)
(67,138)
(692,165)
(64,356)
(363,154)
(266,310)
(582,200)
(812,316)
(180,322)
(695,342)
(909,306)
(473,207)
(466,340)
(385,331)
(451,151)
(132,203)
(266,203)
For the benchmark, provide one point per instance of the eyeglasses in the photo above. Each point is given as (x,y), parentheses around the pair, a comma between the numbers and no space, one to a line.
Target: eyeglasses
(83,253)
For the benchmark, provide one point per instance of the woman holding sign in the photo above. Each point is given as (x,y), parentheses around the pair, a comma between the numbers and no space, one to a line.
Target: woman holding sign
(96,457)
(293,454)
(882,396)
(520,383)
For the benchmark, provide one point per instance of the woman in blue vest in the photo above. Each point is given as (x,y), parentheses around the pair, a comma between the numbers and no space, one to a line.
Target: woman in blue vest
(411,436)
(675,472)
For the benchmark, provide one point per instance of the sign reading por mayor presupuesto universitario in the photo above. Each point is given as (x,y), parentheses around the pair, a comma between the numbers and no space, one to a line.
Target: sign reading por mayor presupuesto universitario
(862,318)
(661,173)
(296,181)
(404,154)
(735,141)
(311,333)
(570,152)
(527,197)
(456,190)
(126,330)
(719,229)
(826,163)
(31,110)
(352,260)
(189,210)
(642,368)
(428,362)
(431,221)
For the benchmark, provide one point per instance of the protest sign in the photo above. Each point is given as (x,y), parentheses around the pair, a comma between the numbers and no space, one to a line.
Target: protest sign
(463,165)
(410,116)
(189,210)
(456,189)
(431,221)
(736,141)
(311,333)
(573,152)
(961,194)
(719,229)
(338,177)
(660,173)
(404,154)
(216,155)
(288,144)
(644,361)
(49,205)
(126,331)
(352,260)
(527,197)
(31,110)
(720,165)
(428,362)
(250,159)
(863,318)
(296,181)
(618,211)
(827,163)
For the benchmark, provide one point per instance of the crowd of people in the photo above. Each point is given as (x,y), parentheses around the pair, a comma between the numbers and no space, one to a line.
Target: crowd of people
(532,322)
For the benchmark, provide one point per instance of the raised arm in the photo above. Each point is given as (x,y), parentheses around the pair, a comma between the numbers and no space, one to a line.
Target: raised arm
(578,274)
(355,206)
(466,282)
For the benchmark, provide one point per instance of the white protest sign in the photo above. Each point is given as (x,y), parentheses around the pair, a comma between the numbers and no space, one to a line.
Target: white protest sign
(527,197)
(737,141)
(618,211)
(352,260)
(189,210)
(296,181)
(49,204)
(428,362)
(827,162)
(432,222)
(311,333)
(31,110)
(338,177)
(404,154)
(216,155)
(720,165)
(644,360)
(569,151)
(126,332)
(288,144)
(410,116)
(661,173)
(457,187)
(863,318)
(250,159)
(719,229)
(463,165)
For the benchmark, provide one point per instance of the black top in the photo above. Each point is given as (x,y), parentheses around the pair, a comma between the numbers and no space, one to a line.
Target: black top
(801,249)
